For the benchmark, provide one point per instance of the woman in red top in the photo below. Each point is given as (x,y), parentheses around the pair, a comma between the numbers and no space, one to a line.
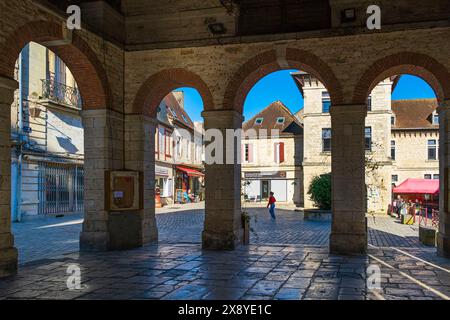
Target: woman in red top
(271,205)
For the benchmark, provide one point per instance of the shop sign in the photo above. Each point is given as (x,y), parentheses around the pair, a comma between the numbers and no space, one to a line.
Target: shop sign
(265,175)
(161,171)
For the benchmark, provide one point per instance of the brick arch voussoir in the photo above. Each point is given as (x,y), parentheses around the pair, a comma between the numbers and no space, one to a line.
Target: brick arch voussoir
(420,65)
(265,63)
(158,85)
(78,56)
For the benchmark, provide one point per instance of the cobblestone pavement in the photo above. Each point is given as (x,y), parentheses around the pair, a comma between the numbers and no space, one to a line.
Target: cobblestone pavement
(184,271)
(50,237)
(288,259)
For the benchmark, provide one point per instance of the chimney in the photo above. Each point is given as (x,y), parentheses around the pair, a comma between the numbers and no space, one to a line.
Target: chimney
(179,95)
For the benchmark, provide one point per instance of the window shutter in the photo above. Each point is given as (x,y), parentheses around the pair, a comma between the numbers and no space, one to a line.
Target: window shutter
(275,152)
(281,152)
(250,152)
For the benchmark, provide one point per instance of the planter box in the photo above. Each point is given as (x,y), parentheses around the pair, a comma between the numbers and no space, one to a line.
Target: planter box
(317,215)
(427,235)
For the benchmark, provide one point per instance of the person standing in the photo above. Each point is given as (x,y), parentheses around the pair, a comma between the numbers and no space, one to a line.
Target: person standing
(271,205)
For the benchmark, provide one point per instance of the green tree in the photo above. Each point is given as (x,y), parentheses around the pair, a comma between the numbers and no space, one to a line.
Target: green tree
(320,191)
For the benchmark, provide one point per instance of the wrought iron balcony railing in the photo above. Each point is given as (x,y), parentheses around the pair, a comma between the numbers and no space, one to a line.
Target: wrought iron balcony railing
(60,93)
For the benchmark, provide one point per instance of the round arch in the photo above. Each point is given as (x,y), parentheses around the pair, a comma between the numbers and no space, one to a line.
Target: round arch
(160,84)
(78,56)
(265,63)
(420,65)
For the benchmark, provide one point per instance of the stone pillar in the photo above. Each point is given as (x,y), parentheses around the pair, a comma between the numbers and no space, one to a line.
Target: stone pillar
(103,148)
(223,223)
(349,227)
(140,227)
(443,236)
(8,254)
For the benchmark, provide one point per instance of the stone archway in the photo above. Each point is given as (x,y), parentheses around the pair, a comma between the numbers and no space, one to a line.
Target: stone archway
(96,94)
(157,86)
(438,77)
(72,49)
(143,115)
(420,65)
(270,61)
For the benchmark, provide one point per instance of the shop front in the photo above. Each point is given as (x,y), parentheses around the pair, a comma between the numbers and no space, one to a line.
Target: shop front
(188,185)
(163,184)
(258,185)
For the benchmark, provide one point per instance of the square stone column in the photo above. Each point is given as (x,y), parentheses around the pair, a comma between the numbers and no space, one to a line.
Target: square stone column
(103,148)
(443,236)
(8,254)
(223,223)
(349,226)
(140,227)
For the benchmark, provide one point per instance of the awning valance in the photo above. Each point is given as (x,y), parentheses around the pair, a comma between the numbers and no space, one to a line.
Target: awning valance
(190,172)
(418,186)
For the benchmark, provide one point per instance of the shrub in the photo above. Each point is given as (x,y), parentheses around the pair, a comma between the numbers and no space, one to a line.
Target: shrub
(320,191)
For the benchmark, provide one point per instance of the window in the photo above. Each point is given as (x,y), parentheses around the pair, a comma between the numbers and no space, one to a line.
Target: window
(161,141)
(393,149)
(368,138)
(326,140)
(185,119)
(392,121)
(280,120)
(427,176)
(435,118)
(432,150)
(436,176)
(172,112)
(248,152)
(369,103)
(279,152)
(259,121)
(326,102)
(394,178)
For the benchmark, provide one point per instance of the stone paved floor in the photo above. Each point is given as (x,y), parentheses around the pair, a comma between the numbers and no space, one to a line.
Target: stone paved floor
(288,260)
(50,237)
(184,271)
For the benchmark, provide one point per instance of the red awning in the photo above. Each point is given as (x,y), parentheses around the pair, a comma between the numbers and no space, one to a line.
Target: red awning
(190,172)
(418,186)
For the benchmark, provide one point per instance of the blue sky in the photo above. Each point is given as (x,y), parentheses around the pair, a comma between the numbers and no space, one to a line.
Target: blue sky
(280,86)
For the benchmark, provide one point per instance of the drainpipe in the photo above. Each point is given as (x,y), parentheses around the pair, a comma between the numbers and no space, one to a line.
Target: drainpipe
(18,187)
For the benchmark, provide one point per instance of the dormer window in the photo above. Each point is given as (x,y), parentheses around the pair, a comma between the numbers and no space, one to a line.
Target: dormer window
(172,112)
(369,103)
(435,118)
(185,119)
(280,120)
(392,120)
(259,121)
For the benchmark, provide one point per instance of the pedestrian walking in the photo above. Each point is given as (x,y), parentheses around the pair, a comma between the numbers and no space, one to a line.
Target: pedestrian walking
(271,205)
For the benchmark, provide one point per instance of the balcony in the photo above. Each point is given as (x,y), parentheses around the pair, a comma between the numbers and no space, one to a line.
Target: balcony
(61,94)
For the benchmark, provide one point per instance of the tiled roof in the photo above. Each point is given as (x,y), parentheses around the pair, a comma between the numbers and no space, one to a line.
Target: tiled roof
(270,115)
(414,114)
(179,114)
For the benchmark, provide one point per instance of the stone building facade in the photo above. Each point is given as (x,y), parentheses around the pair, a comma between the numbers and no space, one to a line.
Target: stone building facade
(179,151)
(272,153)
(123,73)
(398,137)
(316,120)
(48,147)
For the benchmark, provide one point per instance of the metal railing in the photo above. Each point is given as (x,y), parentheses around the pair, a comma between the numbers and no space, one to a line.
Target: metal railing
(61,93)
